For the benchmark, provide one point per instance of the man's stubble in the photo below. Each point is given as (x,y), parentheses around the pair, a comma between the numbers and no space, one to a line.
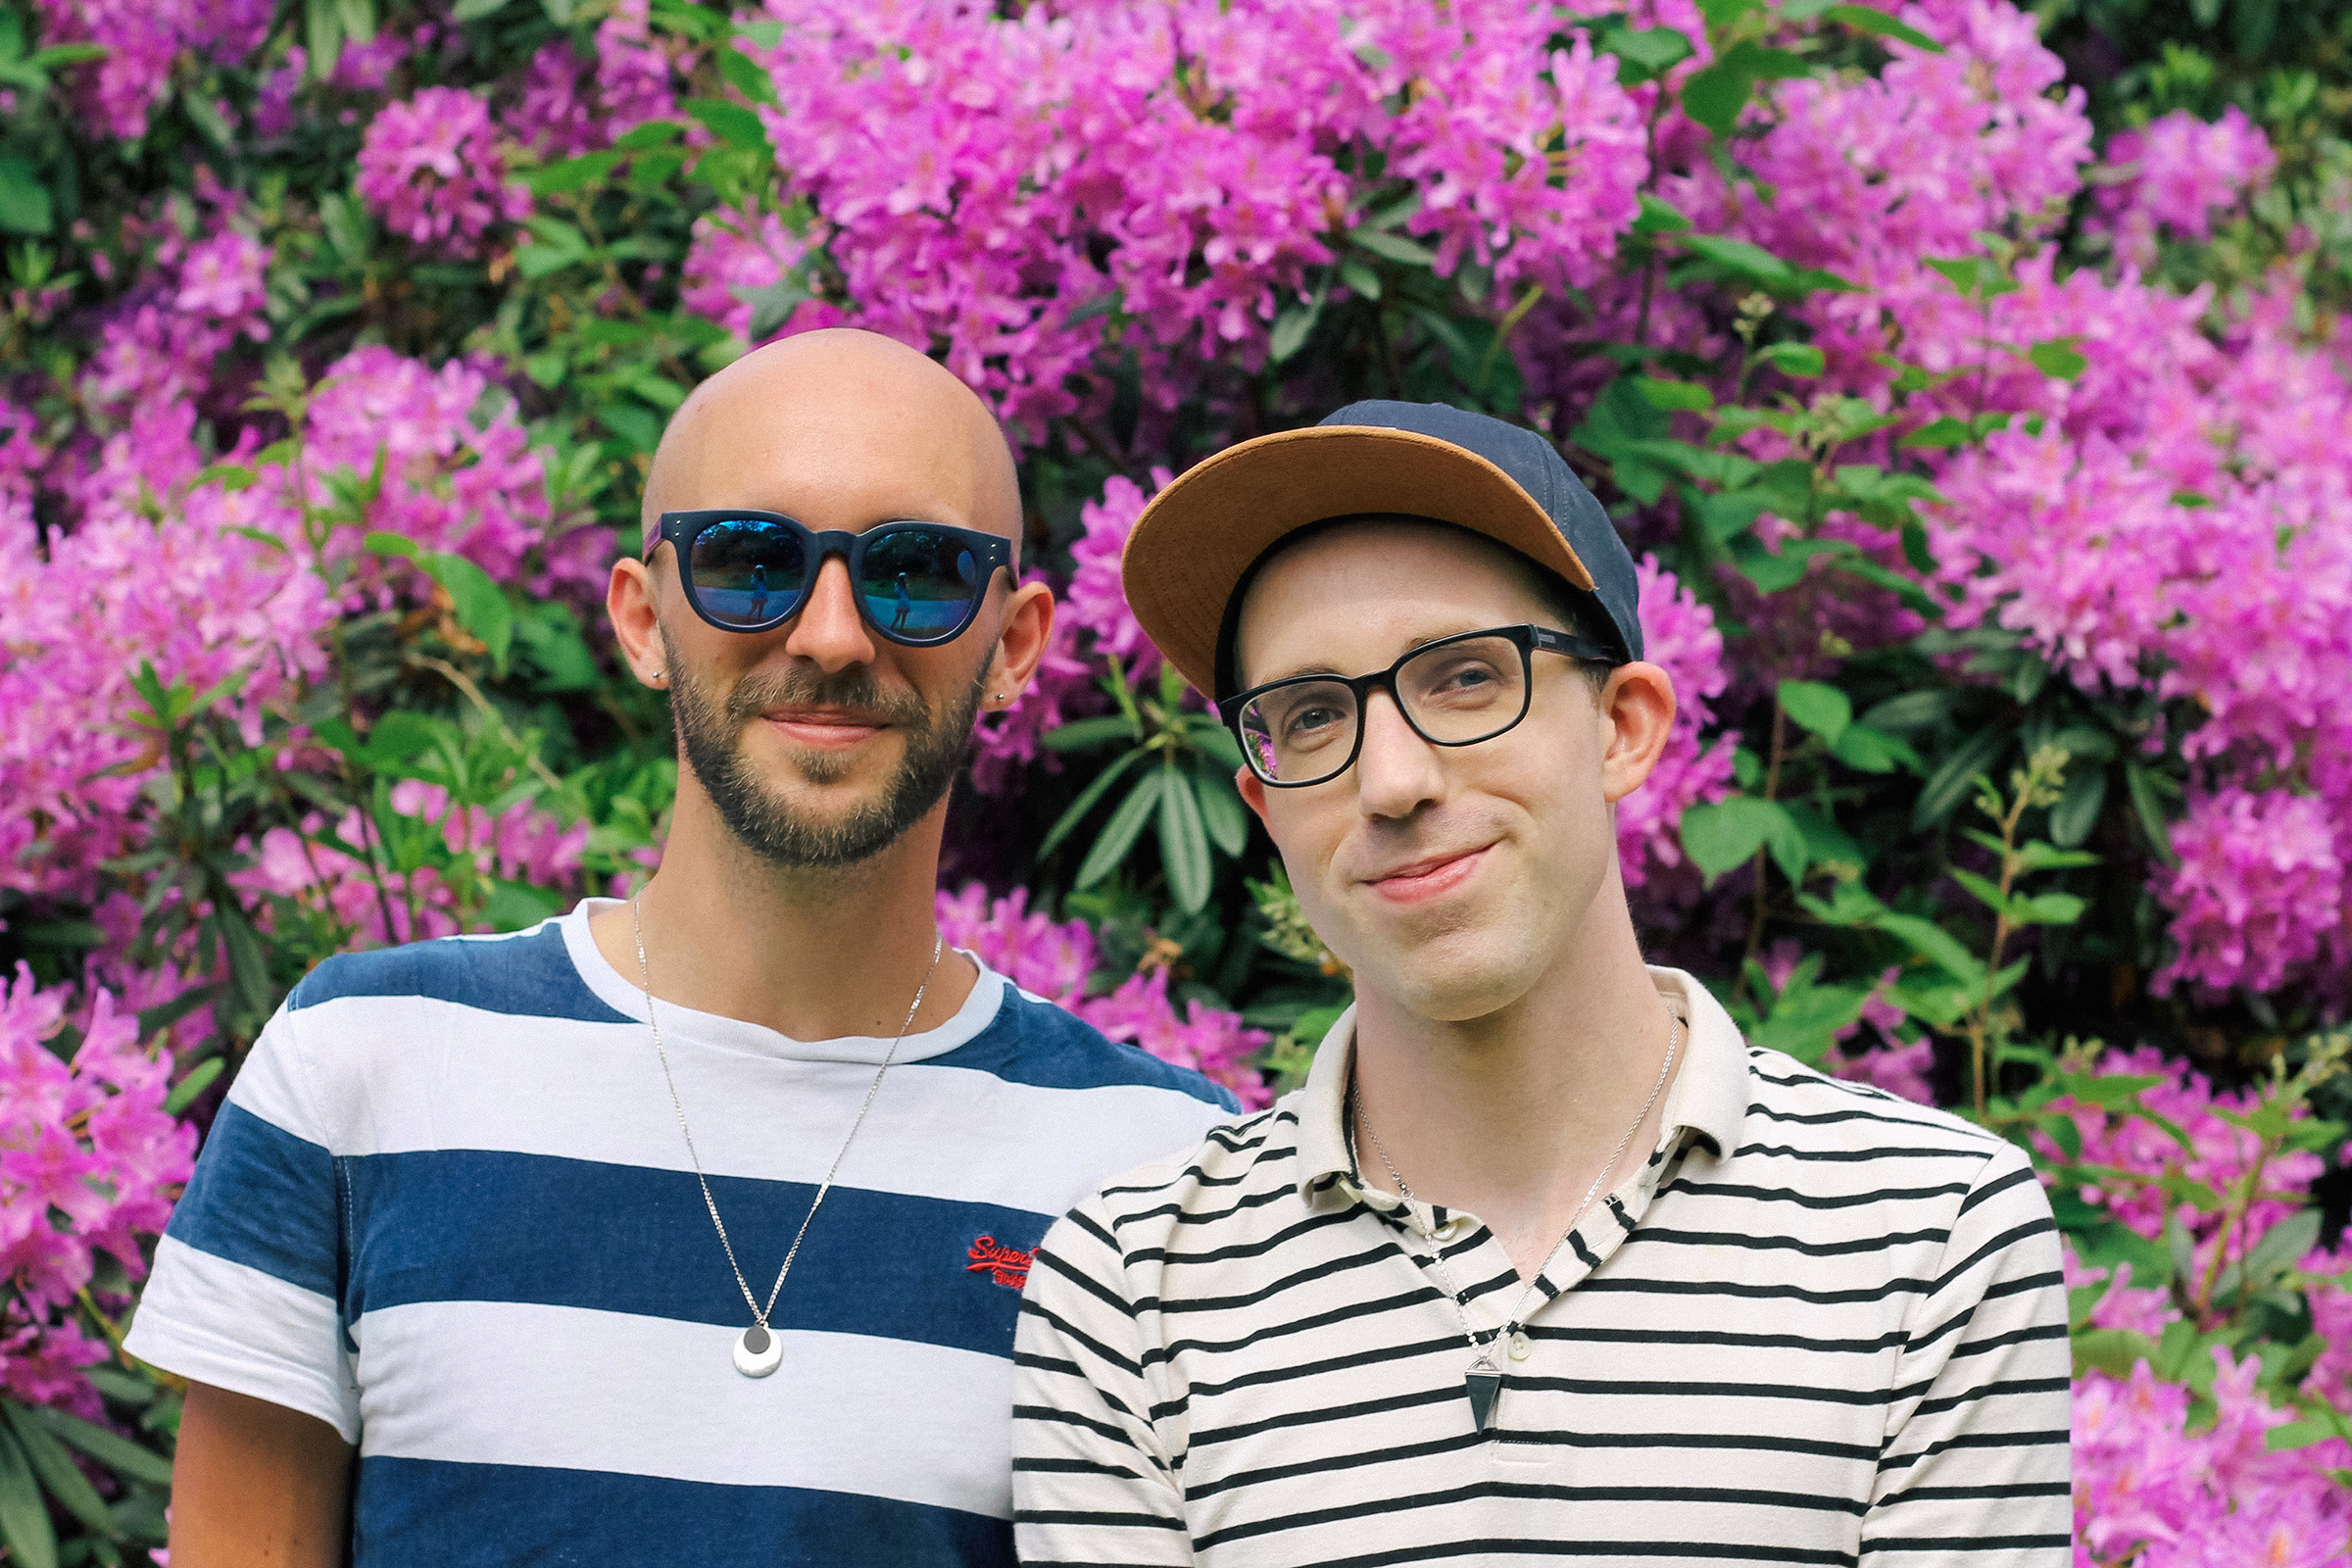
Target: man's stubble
(761,817)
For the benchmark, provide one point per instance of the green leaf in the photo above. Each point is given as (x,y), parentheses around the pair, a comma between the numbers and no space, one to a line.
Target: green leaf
(1657,218)
(1863,19)
(382,542)
(1222,812)
(1393,247)
(572,173)
(730,122)
(358,20)
(1805,1019)
(2147,791)
(25,207)
(1715,96)
(1647,53)
(746,74)
(476,10)
(2078,810)
(1728,833)
(1824,710)
(1954,778)
(1737,255)
(322,29)
(57,1472)
(1874,751)
(1184,842)
(1085,801)
(481,605)
(200,1078)
(1291,329)
(24,1516)
(1936,435)
(116,1452)
(1793,358)
(1673,395)
(639,430)
(1119,833)
(1088,733)
(2059,358)
(1360,278)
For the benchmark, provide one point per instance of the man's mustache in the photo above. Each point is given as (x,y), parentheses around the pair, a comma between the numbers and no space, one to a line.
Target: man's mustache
(757,694)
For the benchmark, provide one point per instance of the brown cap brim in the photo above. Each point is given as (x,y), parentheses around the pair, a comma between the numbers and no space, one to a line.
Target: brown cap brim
(1189,550)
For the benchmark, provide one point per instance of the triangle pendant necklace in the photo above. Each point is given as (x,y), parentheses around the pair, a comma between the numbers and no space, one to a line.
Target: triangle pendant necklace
(1484,1381)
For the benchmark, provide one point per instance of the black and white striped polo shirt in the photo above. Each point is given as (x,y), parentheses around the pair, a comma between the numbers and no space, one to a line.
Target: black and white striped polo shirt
(1822,1325)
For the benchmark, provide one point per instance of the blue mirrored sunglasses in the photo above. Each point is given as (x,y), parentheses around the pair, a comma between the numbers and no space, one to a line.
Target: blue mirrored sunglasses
(919,584)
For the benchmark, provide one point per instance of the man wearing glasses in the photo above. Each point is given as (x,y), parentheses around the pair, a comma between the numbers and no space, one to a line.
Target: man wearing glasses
(688,1229)
(1543,1261)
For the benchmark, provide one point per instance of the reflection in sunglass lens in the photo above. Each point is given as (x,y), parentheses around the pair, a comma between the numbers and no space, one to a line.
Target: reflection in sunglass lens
(919,584)
(750,572)
(1299,732)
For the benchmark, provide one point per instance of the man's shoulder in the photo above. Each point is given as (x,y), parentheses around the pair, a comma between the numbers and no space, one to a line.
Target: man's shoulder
(527,973)
(1236,1165)
(1035,1043)
(1801,1112)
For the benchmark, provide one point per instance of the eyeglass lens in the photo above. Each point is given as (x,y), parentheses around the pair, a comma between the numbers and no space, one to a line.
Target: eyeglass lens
(917,583)
(1455,694)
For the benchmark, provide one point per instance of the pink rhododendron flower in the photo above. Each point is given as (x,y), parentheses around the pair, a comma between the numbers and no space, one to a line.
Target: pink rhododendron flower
(431,170)
(89,1162)
(2180,169)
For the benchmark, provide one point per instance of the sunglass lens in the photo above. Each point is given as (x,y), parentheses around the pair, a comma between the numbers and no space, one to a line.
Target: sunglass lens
(749,573)
(920,584)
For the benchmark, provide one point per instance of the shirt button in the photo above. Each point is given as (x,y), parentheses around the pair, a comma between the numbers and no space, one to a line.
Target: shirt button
(1519,1346)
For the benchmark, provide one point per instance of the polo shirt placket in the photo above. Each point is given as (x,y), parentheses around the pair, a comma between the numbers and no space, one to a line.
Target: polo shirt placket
(1820,1325)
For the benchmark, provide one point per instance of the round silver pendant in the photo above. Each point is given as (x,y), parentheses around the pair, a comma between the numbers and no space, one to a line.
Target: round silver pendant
(758,1353)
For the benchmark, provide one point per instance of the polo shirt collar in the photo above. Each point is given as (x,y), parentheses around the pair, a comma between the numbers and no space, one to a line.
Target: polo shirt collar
(1709,1099)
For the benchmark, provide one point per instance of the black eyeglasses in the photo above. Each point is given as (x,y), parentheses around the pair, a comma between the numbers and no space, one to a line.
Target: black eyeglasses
(917,583)
(1456,691)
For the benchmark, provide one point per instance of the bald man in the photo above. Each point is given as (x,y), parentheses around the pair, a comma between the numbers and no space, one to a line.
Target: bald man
(692,1229)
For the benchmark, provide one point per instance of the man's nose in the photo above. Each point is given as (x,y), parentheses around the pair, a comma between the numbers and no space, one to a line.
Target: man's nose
(828,632)
(1397,772)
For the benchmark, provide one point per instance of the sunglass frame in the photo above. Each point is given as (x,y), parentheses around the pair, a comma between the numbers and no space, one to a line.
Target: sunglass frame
(682,529)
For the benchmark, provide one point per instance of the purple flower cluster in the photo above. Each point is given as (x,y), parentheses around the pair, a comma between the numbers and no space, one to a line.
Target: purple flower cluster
(89,1163)
(431,170)
(144,41)
(2176,173)
(987,186)
(1054,960)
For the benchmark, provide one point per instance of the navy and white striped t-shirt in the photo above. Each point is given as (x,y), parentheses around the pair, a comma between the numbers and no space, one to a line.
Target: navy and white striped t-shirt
(448,1210)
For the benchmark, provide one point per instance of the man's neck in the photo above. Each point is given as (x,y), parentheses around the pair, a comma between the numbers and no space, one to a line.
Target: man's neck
(814,954)
(1510,1117)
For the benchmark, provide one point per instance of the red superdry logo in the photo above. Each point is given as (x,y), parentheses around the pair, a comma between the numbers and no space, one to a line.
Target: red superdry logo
(1008,1266)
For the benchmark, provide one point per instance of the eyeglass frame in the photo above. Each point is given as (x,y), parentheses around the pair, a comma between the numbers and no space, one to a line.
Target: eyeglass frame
(1527,638)
(682,529)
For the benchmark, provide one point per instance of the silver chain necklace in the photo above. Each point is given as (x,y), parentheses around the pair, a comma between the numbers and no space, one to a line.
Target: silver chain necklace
(761,1350)
(1483,1381)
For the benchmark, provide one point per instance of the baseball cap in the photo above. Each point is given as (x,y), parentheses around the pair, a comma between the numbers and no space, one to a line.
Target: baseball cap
(1199,542)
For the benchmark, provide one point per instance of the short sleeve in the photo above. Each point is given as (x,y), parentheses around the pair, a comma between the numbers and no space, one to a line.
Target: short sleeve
(247,1276)
(1975,1471)
(1091,1481)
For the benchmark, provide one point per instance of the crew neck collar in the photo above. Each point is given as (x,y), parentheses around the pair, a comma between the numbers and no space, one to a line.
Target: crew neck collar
(717,1031)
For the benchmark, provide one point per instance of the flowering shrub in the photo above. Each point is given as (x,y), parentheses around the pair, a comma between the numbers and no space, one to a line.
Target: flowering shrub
(1978,431)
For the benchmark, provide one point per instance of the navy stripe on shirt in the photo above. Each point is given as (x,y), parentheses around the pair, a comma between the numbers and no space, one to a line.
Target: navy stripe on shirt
(521,1514)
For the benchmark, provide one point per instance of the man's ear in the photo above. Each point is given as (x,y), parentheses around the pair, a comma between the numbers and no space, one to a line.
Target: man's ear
(1022,636)
(1637,713)
(632,598)
(1253,791)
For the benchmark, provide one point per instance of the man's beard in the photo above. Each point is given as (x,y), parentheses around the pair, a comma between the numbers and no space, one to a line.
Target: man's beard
(759,815)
